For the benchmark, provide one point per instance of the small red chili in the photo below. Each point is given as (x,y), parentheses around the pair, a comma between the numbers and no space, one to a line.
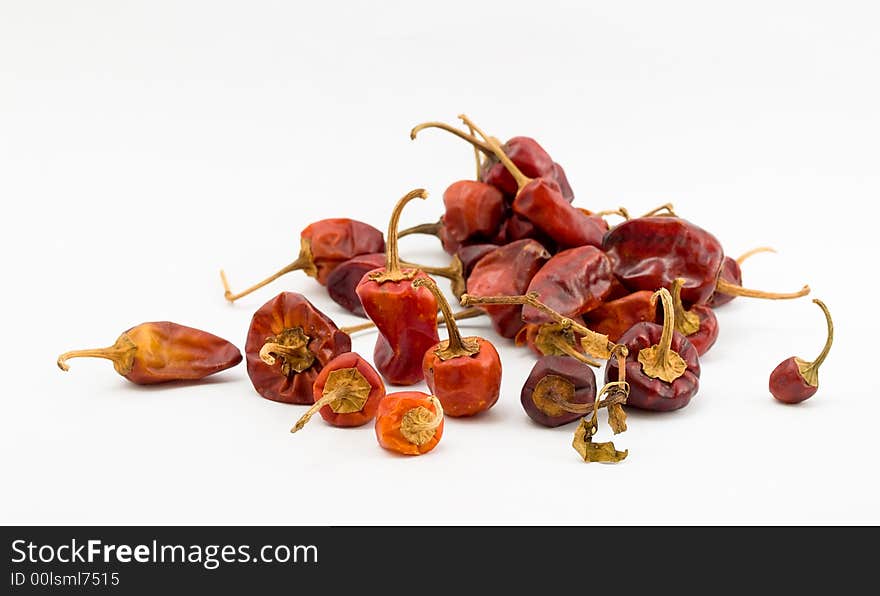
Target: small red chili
(732,273)
(160,352)
(651,252)
(796,380)
(572,282)
(471,255)
(464,373)
(616,317)
(409,422)
(323,246)
(507,270)
(346,392)
(405,316)
(662,368)
(699,323)
(540,201)
(288,343)
(559,390)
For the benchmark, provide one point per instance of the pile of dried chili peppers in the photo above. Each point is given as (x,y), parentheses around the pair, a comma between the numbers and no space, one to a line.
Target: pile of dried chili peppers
(553,277)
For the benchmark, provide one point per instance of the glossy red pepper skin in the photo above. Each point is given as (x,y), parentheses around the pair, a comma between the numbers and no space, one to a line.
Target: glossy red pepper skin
(406,318)
(507,271)
(392,411)
(788,385)
(575,372)
(370,407)
(342,283)
(649,253)
(616,317)
(646,392)
(730,272)
(288,311)
(541,202)
(572,282)
(334,241)
(467,385)
(474,211)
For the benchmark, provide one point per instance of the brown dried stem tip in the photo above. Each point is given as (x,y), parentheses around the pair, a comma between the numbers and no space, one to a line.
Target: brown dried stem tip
(686,322)
(419,425)
(593,343)
(393,271)
(470,138)
(583,436)
(120,353)
(750,253)
(725,287)
(305,262)
(660,361)
(621,211)
(346,391)
(493,144)
(665,210)
(455,346)
(428,229)
(454,272)
(810,370)
(558,339)
(292,347)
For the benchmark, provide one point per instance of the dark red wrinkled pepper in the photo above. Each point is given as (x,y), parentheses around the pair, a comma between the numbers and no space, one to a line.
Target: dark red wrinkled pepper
(160,352)
(698,323)
(731,272)
(507,270)
(662,368)
(324,245)
(558,390)
(572,282)
(614,318)
(405,316)
(288,343)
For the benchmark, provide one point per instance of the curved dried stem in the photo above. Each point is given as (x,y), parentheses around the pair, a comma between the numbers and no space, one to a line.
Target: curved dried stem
(474,141)
(305,262)
(750,253)
(660,361)
(686,322)
(665,210)
(454,272)
(392,270)
(428,229)
(419,425)
(620,211)
(121,353)
(495,146)
(725,287)
(810,370)
(455,347)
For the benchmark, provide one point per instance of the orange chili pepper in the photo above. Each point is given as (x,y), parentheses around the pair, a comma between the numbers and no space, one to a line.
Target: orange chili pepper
(409,422)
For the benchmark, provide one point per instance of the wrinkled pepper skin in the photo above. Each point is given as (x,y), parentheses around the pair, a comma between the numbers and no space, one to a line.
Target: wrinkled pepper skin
(616,317)
(471,255)
(575,372)
(647,393)
(288,311)
(474,211)
(572,282)
(392,409)
(334,241)
(406,318)
(507,271)
(562,180)
(467,385)
(541,202)
(707,335)
(788,385)
(371,406)
(730,272)
(528,156)
(342,283)
(528,336)
(649,253)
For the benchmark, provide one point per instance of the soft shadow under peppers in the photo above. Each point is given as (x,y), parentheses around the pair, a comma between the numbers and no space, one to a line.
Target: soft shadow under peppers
(405,316)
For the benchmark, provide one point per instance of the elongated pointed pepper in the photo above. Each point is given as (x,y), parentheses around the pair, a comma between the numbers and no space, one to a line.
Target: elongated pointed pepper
(324,245)
(795,379)
(406,316)
(540,200)
(159,352)
(409,422)
(288,343)
(662,367)
(464,373)
(347,393)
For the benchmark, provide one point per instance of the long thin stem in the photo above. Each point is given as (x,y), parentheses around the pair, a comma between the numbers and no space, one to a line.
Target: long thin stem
(666,210)
(325,400)
(428,229)
(725,287)
(455,346)
(660,361)
(392,256)
(477,143)
(477,156)
(521,179)
(824,354)
(746,255)
(300,263)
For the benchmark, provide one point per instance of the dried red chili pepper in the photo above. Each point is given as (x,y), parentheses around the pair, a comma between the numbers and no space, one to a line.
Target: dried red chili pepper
(464,373)
(342,283)
(159,352)
(409,422)
(323,246)
(554,339)
(559,390)
(288,344)
(572,282)
(616,317)
(662,368)
(540,201)
(346,392)
(651,252)
(471,255)
(525,152)
(698,323)
(796,380)
(507,271)
(474,211)
(732,273)
(405,316)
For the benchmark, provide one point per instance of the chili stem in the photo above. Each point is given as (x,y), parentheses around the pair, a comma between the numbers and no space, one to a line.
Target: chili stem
(429,229)
(476,155)
(298,264)
(470,313)
(824,354)
(660,361)
(116,353)
(725,287)
(667,207)
(746,255)
(477,143)
(325,400)
(455,346)
(521,179)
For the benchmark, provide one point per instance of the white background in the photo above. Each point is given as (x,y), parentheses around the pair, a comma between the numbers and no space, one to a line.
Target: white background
(144,145)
